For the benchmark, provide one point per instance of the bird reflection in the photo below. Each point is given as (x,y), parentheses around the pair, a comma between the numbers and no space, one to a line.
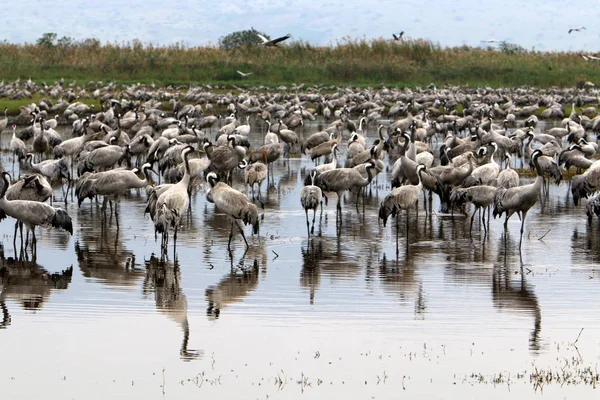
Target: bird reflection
(400,278)
(310,275)
(103,256)
(585,246)
(163,278)
(29,284)
(515,295)
(236,285)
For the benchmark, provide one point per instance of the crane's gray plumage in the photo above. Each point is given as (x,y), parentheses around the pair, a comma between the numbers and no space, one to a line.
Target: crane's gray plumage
(173,203)
(342,179)
(485,174)
(481,196)
(32,213)
(111,184)
(310,198)
(401,198)
(508,177)
(587,183)
(519,199)
(234,204)
(254,173)
(17,146)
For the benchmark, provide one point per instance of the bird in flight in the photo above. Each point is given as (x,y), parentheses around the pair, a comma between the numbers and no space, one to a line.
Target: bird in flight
(492,41)
(399,36)
(272,42)
(578,29)
(244,74)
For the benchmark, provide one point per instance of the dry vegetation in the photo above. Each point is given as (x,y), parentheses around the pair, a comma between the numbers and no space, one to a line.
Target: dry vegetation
(356,62)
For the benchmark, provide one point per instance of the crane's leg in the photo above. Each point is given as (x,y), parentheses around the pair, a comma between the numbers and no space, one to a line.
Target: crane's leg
(262,205)
(230,236)
(242,232)
(313,221)
(522,226)
(307,224)
(33,238)
(471,226)
(15,237)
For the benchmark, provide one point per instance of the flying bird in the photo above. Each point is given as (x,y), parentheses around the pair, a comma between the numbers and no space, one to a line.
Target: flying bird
(272,42)
(589,58)
(492,41)
(399,36)
(578,29)
(244,74)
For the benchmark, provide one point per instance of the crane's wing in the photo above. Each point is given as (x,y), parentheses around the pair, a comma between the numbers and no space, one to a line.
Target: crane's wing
(264,39)
(281,39)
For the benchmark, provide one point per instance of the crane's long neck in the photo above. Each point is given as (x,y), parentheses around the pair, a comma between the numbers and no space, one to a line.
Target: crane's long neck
(420,184)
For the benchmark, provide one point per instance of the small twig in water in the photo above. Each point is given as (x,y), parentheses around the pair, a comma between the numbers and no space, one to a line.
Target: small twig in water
(276,255)
(544,235)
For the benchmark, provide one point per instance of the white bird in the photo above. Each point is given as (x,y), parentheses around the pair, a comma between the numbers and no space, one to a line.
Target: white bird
(577,29)
(272,42)
(244,74)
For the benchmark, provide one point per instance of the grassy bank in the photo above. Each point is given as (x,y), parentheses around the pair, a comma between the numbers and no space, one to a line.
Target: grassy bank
(356,62)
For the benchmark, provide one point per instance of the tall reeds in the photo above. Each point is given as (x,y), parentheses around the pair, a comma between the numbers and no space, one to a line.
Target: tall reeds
(350,61)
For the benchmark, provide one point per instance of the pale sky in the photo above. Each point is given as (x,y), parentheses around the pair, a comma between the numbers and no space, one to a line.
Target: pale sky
(534,23)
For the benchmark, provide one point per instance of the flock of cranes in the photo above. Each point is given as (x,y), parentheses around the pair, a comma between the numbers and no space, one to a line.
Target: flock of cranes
(426,146)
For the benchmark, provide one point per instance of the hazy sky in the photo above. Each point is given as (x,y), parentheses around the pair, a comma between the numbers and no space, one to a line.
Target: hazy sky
(540,24)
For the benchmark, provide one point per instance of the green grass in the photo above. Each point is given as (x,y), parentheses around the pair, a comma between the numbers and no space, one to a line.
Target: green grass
(350,62)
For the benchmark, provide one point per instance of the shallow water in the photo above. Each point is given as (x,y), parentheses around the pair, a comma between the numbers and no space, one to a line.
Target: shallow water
(365,313)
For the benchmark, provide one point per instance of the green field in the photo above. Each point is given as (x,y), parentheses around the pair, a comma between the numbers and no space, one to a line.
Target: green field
(350,62)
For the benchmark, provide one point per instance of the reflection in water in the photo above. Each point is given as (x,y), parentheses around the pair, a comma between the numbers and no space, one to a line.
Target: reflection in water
(586,245)
(163,278)
(101,255)
(29,284)
(515,296)
(310,275)
(400,278)
(234,287)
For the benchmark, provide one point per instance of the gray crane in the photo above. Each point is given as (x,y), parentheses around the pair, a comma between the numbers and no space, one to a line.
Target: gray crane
(310,198)
(587,183)
(102,158)
(31,214)
(172,204)
(401,198)
(254,173)
(111,184)
(508,177)
(485,174)
(40,142)
(341,179)
(330,165)
(482,196)
(234,204)
(17,146)
(225,158)
(519,199)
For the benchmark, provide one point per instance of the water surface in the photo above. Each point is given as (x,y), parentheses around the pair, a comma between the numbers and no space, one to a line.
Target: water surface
(365,312)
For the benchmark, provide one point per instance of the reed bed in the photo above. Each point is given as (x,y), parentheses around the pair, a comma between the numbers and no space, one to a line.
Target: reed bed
(348,62)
